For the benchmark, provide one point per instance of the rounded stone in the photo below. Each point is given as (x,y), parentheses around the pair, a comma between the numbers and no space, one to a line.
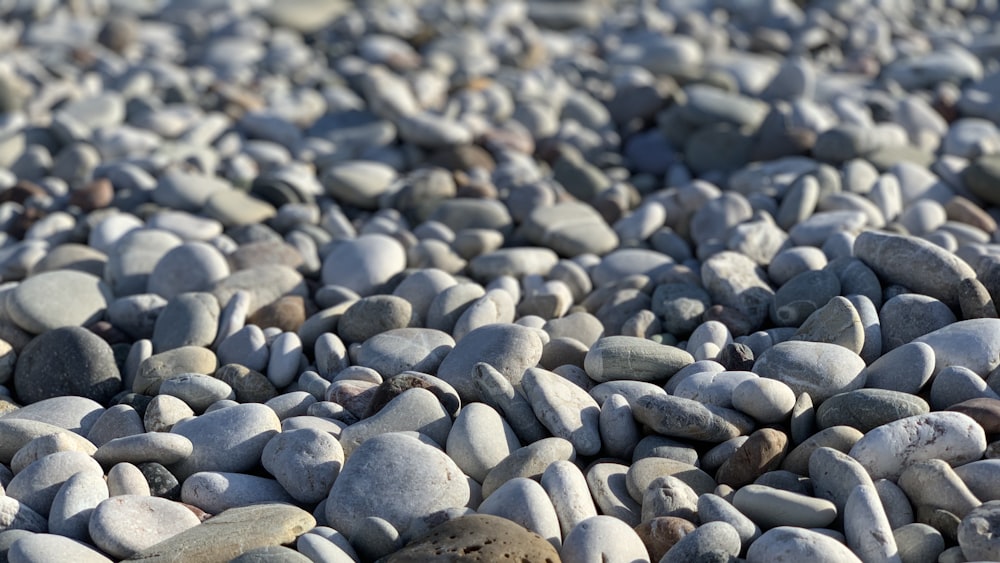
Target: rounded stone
(977,534)
(57,299)
(633,358)
(817,368)
(798,544)
(217,491)
(405,349)
(479,440)
(866,409)
(373,315)
(605,537)
(66,361)
(510,349)
(192,266)
(124,525)
(364,264)
(242,431)
(305,461)
(490,538)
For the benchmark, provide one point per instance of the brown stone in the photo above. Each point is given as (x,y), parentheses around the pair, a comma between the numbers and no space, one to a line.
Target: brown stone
(463,157)
(984,410)
(962,210)
(354,395)
(476,537)
(660,534)
(762,452)
(250,386)
(96,194)
(232,533)
(975,300)
(264,253)
(287,313)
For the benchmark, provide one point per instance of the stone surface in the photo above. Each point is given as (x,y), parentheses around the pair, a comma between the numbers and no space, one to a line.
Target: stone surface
(490,538)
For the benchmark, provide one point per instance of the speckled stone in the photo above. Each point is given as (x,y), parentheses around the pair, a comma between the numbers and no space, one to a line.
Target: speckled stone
(489,538)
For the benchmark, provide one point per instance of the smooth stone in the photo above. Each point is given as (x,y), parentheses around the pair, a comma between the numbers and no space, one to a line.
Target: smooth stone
(733,280)
(620,434)
(951,436)
(933,485)
(123,525)
(140,448)
(263,284)
(669,496)
(837,322)
(326,544)
(189,319)
(516,262)
(497,391)
(918,543)
(977,533)
(61,298)
(156,369)
(364,264)
(798,544)
(163,412)
(405,349)
(765,400)
(117,421)
(680,306)
(834,475)
(15,515)
(608,486)
(661,534)
(774,508)
(525,502)
(52,547)
(817,368)
(414,480)
(866,409)
(197,390)
(234,208)
(570,228)
(491,538)
(646,470)
(247,346)
(42,446)
(216,491)
(76,414)
(73,505)
(567,410)
(134,256)
(685,418)
(15,434)
(510,349)
(605,537)
(285,355)
(985,411)
(271,554)
(628,357)
(867,528)
(396,385)
(305,461)
(956,384)
(969,343)
(250,386)
(567,488)
(528,461)
(479,440)
(358,182)
(373,315)
(242,431)
(712,388)
(894,258)
(192,266)
(66,361)
(802,295)
(711,541)
(762,452)
(416,409)
(980,478)
(136,314)
(907,317)
(905,369)
(127,479)
(448,306)
(37,485)
(229,534)
(713,508)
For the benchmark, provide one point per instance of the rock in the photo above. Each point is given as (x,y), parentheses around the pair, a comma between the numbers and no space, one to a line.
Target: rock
(801,296)
(817,368)
(970,343)
(569,493)
(733,280)
(606,537)
(564,408)
(895,259)
(837,322)
(632,358)
(123,525)
(414,480)
(242,431)
(197,390)
(192,266)
(798,544)
(216,491)
(524,501)
(153,446)
(415,409)
(766,400)
(905,369)
(510,349)
(933,485)
(231,533)
(951,436)
(76,414)
(907,317)
(497,391)
(51,547)
(189,319)
(713,508)
(977,532)
(60,298)
(305,461)
(37,485)
(686,418)
(405,349)
(529,461)
(364,264)
(490,537)
(374,315)
(866,409)
(73,505)
(66,361)
(762,452)
(661,534)
(773,508)
(263,284)
(646,470)
(919,543)
(156,369)
(17,516)
(479,440)
(712,540)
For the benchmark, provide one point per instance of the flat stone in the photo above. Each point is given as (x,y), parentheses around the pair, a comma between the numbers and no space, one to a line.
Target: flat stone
(490,538)
(508,348)
(56,299)
(66,361)
(364,264)
(772,508)
(570,228)
(798,544)
(134,257)
(564,408)
(817,368)
(529,461)
(628,357)
(189,319)
(192,266)
(217,491)
(646,470)
(414,480)
(123,525)
(156,369)
(569,492)
(971,343)
(866,409)
(840,438)
(234,208)
(766,400)
(405,349)
(77,414)
(373,315)
(525,502)
(896,258)
(479,440)
(264,284)
(951,436)
(47,547)
(516,262)
(231,533)
(918,542)
(159,447)
(905,369)
(37,484)
(907,317)
(414,410)
(685,418)
(242,431)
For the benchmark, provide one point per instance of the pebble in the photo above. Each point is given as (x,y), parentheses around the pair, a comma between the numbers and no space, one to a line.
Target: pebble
(632,358)
(124,525)
(216,491)
(866,409)
(188,319)
(798,544)
(127,479)
(305,461)
(977,532)
(242,431)
(192,266)
(405,349)
(525,502)
(905,369)
(918,543)
(415,410)
(494,345)
(479,440)
(564,408)
(490,537)
(56,299)
(364,264)
(817,368)
(73,505)
(685,418)
(950,436)
(37,485)
(430,481)
(50,366)
(595,536)
(711,540)
(52,547)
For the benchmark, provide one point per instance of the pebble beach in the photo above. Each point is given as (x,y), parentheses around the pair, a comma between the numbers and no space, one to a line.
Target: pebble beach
(595,281)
